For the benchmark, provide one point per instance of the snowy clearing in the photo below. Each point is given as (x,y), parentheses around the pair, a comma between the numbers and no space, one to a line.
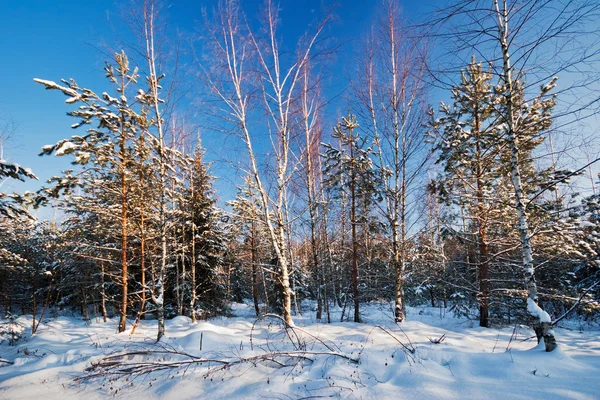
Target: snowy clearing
(469,362)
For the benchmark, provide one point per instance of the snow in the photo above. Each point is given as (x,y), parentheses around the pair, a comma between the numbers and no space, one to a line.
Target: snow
(471,362)
(45,82)
(586,224)
(536,311)
(60,151)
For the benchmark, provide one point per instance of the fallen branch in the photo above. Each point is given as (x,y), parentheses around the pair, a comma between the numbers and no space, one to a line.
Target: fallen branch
(117,365)
(6,361)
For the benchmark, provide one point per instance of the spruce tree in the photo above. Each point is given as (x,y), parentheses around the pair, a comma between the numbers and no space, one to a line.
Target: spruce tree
(208,242)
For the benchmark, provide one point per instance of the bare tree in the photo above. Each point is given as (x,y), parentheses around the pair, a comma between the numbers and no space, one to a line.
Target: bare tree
(310,125)
(236,50)
(391,96)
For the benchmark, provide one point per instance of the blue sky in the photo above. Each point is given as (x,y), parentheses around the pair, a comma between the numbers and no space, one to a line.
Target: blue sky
(68,39)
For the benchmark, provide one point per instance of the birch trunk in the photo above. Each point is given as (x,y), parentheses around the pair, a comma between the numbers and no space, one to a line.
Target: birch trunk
(103,292)
(254,260)
(158,299)
(542,322)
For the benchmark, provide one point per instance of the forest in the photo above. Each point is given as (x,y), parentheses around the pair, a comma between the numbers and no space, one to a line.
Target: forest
(449,164)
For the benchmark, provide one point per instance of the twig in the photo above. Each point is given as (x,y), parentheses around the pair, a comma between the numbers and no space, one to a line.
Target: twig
(496,343)
(438,340)
(331,347)
(411,349)
(512,337)
(574,306)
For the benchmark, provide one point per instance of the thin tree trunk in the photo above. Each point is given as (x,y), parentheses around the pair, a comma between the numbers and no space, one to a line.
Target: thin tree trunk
(34,308)
(484,286)
(124,273)
(103,291)
(344,211)
(193,295)
(141,312)
(266,292)
(542,324)
(354,236)
(308,127)
(159,300)
(254,260)
(325,235)
(483,262)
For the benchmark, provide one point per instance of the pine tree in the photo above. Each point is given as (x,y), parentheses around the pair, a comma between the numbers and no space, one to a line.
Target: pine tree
(13,215)
(248,227)
(468,144)
(350,171)
(11,205)
(106,145)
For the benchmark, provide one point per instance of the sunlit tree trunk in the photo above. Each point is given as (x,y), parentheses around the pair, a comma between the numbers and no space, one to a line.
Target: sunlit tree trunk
(542,325)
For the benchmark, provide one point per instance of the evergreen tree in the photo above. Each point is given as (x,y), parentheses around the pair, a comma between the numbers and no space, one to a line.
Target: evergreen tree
(106,146)
(350,172)
(207,238)
(11,205)
(469,148)
(15,222)
(251,247)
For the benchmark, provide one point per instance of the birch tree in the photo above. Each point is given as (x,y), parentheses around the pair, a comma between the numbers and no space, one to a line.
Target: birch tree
(237,50)
(149,27)
(391,95)
(310,125)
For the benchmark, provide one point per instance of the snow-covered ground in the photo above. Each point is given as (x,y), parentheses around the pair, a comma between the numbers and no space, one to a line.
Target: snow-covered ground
(470,363)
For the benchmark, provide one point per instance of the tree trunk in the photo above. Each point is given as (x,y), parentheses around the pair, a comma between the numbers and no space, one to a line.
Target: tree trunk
(141,311)
(484,287)
(327,244)
(124,274)
(193,296)
(34,309)
(398,280)
(483,262)
(103,292)
(253,258)
(542,321)
(354,237)
(285,277)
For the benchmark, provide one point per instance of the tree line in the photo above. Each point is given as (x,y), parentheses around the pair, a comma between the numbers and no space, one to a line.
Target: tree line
(460,206)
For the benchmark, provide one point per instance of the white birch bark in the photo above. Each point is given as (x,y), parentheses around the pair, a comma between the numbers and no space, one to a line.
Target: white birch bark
(542,324)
